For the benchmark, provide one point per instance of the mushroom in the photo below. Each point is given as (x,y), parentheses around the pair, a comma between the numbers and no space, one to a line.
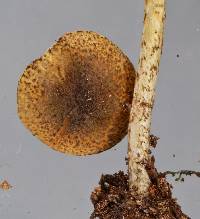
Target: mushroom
(76,98)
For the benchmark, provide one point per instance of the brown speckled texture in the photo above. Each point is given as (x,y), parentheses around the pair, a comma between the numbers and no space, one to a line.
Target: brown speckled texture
(76,98)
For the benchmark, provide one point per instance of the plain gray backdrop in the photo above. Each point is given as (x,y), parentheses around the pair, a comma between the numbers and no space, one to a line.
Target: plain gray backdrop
(51,185)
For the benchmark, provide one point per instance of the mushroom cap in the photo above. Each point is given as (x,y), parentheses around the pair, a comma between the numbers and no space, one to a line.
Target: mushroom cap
(76,97)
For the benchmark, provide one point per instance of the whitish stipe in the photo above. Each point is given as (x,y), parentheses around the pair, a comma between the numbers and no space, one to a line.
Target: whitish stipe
(144,93)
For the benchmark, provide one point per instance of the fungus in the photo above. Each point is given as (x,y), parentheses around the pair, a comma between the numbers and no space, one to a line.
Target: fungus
(76,98)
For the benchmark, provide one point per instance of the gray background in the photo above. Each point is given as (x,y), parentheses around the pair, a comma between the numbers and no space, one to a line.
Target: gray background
(48,184)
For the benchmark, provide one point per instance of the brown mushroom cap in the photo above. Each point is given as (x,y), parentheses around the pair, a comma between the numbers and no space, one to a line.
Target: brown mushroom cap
(76,97)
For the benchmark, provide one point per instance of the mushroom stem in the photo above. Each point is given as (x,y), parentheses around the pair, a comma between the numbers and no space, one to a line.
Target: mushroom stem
(143,97)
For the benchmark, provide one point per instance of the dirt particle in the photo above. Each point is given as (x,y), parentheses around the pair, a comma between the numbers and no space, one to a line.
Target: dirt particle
(113,200)
(153,141)
(5,185)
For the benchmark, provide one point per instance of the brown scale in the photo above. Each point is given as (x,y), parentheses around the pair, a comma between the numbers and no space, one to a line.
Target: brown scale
(75,97)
